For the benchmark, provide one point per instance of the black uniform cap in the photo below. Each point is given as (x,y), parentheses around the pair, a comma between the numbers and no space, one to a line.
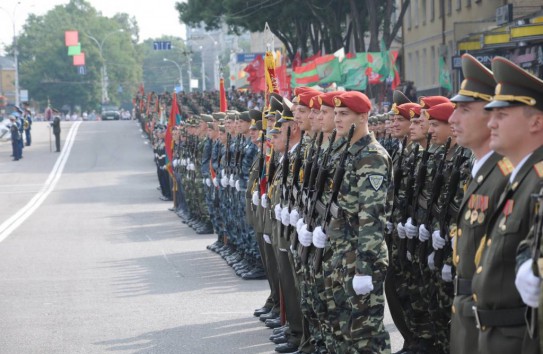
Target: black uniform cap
(479,82)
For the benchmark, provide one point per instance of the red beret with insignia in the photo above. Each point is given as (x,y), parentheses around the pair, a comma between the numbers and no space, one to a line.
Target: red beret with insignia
(305,97)
(430,101)
(403,109)
(440,112)
(414,112)
(327,98)
(354,100)
(314,102)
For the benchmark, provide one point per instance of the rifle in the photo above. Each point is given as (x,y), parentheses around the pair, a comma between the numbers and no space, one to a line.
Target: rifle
(284,180)
(397,180)
(336,184)
(295,178)
(537,230)
(261,165)
(227,155)
(419,185)
(445,215)
(437,181)
(402,249)
(317,179)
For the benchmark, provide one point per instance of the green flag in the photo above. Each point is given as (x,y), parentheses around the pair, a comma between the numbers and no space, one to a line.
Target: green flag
(74,49)
(444,75)
(328,69)
(353,71)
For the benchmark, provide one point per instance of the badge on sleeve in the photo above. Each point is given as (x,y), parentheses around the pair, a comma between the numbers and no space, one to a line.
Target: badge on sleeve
(376,181)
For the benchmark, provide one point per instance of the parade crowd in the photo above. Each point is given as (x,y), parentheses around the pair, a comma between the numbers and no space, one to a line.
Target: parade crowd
(435,205)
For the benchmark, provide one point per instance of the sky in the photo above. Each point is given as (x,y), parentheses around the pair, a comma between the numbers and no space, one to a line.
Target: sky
(155,17)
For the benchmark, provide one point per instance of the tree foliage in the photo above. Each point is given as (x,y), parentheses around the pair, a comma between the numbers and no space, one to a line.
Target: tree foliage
(47,71)
(306,26)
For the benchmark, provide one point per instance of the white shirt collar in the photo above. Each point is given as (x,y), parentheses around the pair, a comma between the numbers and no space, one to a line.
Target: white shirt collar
(479,163)
(518,167)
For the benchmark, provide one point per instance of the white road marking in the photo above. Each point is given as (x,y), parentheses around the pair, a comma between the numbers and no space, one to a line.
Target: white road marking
(11,224)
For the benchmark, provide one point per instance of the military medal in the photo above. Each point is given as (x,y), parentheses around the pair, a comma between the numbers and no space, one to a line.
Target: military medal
(474,215)
(484,207)
(481,217)
(468,214)
(471,205)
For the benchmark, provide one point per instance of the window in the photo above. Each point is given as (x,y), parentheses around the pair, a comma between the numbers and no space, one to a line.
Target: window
(458,5)
(423,11)
(449,7)
(424,79)
(408,19)
(409,64)
(432,10)
(416,12)
(433,61)
(468,3)
(416,66)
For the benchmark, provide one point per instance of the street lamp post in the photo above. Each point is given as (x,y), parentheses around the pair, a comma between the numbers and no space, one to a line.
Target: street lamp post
(103,71)
(15,54)
(180,73)
(203,69)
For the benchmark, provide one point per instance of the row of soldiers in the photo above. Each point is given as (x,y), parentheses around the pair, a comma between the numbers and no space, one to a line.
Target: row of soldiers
(20,129)
(441,214)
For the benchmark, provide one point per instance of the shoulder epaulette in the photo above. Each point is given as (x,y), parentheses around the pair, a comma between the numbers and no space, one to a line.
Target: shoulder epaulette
(538,167)
(506,166)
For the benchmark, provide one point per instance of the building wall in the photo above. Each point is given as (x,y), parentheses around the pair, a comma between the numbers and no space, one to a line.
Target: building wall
(7,84)
(428,35)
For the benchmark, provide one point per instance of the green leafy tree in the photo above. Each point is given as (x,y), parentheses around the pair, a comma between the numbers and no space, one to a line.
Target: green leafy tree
(47,71)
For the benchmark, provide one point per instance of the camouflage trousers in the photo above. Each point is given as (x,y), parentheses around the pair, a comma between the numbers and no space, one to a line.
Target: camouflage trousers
(356,320)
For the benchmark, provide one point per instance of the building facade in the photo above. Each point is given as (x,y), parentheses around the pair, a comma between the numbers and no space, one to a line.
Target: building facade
(437,32)
(7,79)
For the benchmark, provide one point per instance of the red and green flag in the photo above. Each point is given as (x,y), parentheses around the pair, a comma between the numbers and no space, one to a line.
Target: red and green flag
(328,69)
(305,75)
(74,49)
(353,72)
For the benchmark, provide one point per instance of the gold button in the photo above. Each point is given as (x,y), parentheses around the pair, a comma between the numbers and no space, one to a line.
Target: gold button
(489,242)
(457,259)
(479,179)
(474,296)
(459,232)
(480,269)
(453,309)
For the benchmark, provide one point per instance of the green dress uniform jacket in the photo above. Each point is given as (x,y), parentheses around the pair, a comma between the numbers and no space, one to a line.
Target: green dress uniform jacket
(500,311)
(480,198)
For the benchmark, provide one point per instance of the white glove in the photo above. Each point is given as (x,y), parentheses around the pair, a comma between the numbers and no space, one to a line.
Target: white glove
(175,163)
(223,173)
(299,225)
(401,230)
(389,227)
(215,182)
(410,230)
(431,262)
(224,181)
(319,237)
(446,273)
(256,198)
(191,167)
(238,187)
(528,285)
(305,237)
(156,155)
(232,182)
(204,181)
(277,211)
(208,182)
(264,201)
(409,256)
(294,217)
(362,284)
(437,241)
(424,234)
(285,216)
(267,239)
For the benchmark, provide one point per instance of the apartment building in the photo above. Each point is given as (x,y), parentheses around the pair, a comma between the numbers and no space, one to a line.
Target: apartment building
(445,29)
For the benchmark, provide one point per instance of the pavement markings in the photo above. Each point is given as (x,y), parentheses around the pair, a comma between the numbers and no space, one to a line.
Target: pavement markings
(11,224)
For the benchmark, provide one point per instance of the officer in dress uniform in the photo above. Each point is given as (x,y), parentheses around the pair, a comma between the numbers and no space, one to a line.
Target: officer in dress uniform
(489,175)
(516,126)
(56,129)
(15,137)
(27,121)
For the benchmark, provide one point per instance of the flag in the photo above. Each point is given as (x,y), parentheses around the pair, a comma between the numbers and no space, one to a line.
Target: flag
(271,77)
(297,61)
(256,78)
(79,59)
(444,75)
(311,58)
(353,71)
(328,69)
(305,75)
(71,38)
(222,96)
(74,49)
(172,122)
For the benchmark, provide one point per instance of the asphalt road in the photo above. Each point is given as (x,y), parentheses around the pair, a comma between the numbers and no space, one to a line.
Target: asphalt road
(91,261)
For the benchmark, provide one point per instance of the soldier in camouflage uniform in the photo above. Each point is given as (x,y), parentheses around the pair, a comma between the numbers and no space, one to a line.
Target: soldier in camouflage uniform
(355,273)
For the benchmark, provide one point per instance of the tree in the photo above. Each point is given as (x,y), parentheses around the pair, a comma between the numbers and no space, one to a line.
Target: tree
(48,72)
(306,26)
